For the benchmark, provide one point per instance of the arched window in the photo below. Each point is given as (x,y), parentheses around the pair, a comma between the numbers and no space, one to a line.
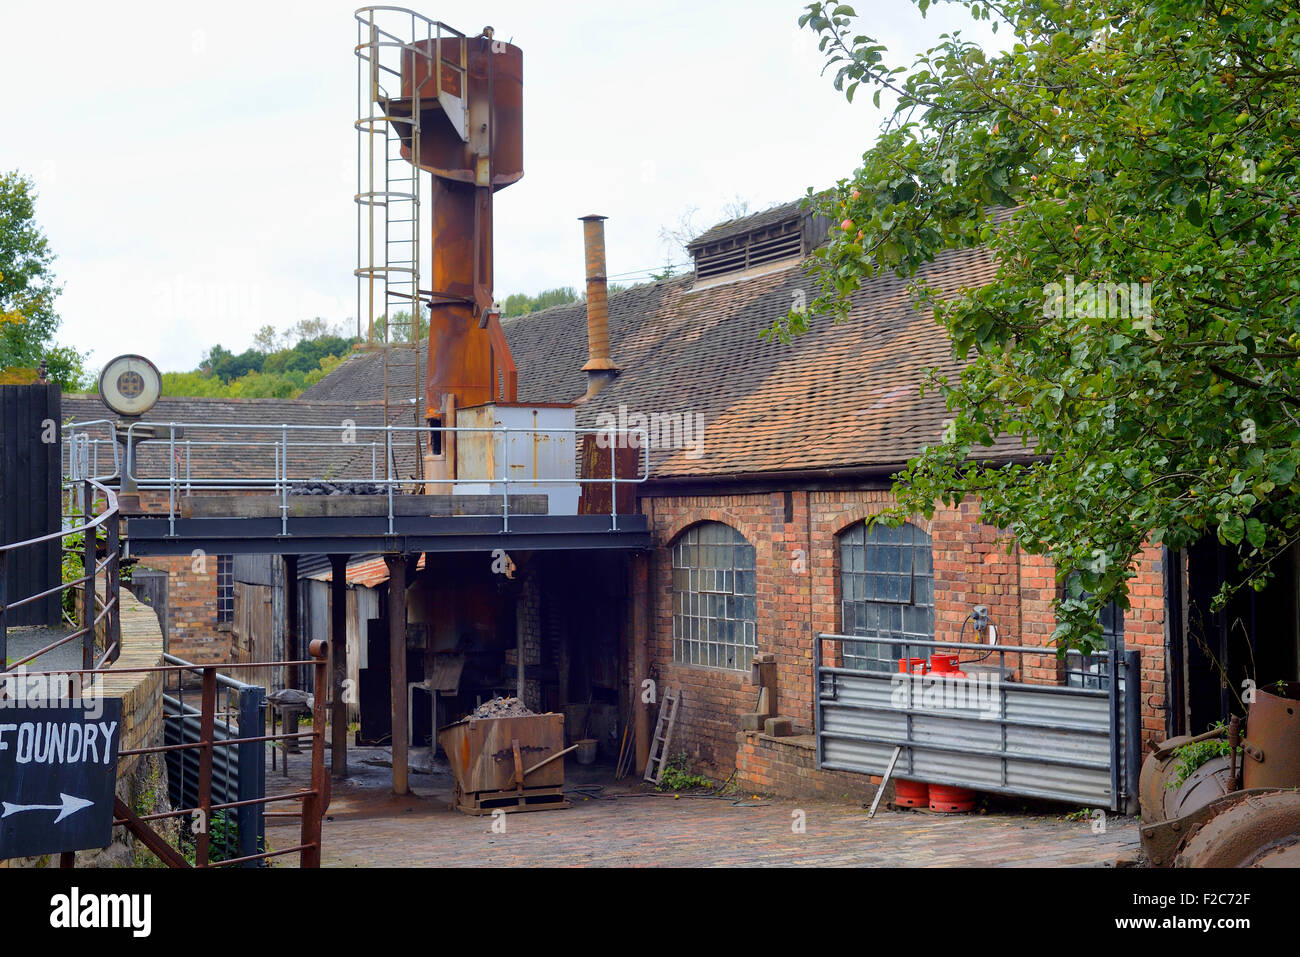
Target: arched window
(714,604)
(1094,670)
(886,589)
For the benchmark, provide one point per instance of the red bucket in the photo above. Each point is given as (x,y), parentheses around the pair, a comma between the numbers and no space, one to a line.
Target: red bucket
(948,800)
(911,793)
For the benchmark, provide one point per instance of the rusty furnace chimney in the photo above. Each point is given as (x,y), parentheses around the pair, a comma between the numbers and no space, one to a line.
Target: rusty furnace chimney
(600,368)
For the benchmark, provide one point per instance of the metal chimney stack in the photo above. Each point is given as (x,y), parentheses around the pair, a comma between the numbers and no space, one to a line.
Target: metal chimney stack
(600,368)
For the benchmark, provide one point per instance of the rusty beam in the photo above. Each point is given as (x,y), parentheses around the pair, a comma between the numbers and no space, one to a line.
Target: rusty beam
(397,667)
(315,804)
(147,835)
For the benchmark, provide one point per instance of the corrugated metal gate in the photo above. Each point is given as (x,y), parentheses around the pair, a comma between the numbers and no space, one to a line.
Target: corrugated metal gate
(984,732)
(238,772)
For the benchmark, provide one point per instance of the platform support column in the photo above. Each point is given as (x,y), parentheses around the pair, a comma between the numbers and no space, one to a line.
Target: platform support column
(291,643)
(640,593)
(397,666)
(343,691)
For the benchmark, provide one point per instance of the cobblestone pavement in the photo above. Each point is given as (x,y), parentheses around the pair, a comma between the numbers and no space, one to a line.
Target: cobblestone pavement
(630,827)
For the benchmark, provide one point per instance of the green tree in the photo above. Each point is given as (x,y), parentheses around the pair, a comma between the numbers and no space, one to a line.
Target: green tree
(1153,143)
(28,321)
(401,331)
(520,304)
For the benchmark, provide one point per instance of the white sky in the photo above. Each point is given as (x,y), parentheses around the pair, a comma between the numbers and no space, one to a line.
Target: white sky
(194,162)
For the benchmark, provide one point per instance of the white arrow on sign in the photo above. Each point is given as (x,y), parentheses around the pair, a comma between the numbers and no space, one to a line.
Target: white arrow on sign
(71,805)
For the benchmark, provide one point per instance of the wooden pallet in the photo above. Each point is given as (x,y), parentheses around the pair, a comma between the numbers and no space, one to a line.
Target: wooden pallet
(480,803)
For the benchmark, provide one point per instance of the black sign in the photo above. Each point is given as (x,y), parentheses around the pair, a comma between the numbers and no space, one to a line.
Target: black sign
(58,772)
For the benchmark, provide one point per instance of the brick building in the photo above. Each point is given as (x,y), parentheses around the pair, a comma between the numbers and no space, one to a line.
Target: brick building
(764,460)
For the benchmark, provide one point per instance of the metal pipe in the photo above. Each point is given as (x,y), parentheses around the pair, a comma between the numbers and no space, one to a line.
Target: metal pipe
(600,368)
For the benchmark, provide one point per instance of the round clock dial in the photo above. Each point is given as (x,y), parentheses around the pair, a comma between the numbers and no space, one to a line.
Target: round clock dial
(130,385)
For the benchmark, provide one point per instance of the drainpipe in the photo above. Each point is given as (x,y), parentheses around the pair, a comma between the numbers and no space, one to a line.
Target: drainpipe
(600,368)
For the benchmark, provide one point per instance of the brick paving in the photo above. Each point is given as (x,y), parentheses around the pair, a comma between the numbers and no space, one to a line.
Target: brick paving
(630,827)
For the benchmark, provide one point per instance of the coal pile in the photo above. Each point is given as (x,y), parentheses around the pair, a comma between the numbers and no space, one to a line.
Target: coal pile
(331,488)
(502,708)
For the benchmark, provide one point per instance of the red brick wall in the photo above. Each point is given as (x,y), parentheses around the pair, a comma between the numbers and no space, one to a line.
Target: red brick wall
(972,566)
(788,767)
(193,631)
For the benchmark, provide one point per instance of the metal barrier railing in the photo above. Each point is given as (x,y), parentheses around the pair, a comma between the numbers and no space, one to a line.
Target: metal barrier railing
(236,778)
(315,799)
(95,610)
(275,449)
(1122,701)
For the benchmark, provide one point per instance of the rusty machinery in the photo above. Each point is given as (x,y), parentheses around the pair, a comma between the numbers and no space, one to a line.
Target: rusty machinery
(1229,812)
(439,101)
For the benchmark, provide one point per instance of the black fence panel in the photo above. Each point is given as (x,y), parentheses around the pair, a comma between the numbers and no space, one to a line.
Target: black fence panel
(31,496)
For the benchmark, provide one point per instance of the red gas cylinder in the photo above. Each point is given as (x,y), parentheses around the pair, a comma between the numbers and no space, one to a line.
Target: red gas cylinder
(943,664)
(915,665)
(949,800)
(911,793)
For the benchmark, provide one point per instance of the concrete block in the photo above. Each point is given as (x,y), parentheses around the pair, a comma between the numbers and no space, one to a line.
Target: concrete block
(779,727)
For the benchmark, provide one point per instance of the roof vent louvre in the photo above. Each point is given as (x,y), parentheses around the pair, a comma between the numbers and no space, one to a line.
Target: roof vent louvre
(763,239)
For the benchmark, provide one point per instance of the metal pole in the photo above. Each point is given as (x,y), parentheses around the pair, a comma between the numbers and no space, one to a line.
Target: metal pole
(88,589)
(397,665)
(4,606)
(1112,691)
(290,619)
(113,589)
(641,653)
(284,488)
(1133,728)
(207,725)
(313,806)
(339,644)
(252,773)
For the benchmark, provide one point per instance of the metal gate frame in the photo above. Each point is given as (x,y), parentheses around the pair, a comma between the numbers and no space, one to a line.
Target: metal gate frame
(237,779)
(951,746)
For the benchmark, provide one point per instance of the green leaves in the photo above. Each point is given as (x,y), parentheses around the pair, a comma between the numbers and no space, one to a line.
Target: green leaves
(1142,333)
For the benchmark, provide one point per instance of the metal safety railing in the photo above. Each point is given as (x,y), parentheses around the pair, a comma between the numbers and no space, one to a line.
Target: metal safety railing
(238,773)
(88,612)
(206,744)
(280,459)
(86,454)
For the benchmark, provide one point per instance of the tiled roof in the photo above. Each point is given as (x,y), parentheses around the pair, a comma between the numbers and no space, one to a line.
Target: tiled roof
(369,571)
(842,395)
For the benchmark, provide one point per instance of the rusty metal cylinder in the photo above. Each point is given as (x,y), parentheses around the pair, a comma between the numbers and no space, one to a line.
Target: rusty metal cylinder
(1271,757)
(599,364)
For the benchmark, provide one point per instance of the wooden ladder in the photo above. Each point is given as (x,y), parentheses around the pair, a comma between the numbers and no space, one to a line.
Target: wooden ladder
(663,733)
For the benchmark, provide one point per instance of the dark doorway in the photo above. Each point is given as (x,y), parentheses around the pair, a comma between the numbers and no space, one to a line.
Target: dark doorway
(1255,636)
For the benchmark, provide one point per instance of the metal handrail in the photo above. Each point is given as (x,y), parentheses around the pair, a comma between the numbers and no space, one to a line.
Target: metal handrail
(392,437)
(109,607)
